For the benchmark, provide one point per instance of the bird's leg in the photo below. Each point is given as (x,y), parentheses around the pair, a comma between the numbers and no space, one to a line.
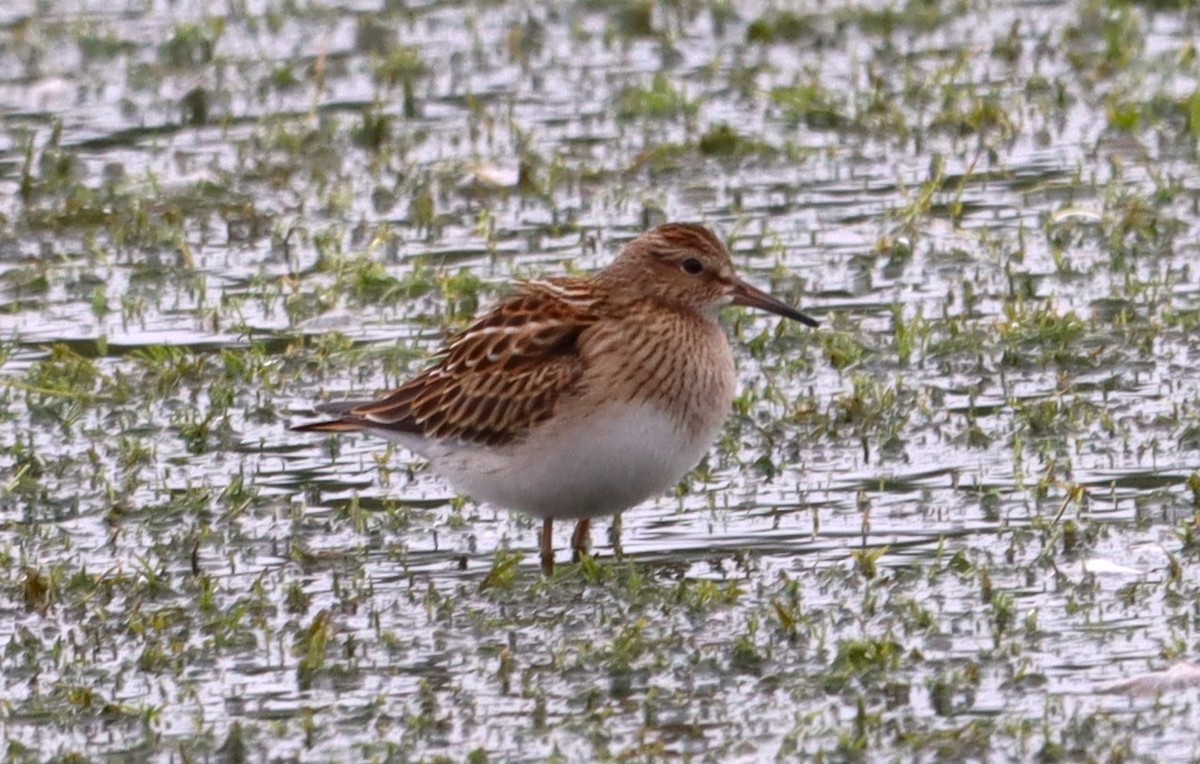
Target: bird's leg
(614,536)
(581,539)
(547,542)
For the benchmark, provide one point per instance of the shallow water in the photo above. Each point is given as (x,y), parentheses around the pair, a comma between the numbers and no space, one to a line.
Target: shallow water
(957,521)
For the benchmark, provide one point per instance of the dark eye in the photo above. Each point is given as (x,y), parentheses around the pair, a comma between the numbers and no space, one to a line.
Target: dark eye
(692,266)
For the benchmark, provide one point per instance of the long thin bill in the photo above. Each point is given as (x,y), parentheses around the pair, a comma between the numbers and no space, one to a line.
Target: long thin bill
(744,294)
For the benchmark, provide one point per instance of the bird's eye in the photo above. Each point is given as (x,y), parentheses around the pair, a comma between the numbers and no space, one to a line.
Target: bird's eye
(692,266)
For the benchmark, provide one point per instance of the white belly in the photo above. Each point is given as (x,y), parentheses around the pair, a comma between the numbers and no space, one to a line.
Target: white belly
(617,457)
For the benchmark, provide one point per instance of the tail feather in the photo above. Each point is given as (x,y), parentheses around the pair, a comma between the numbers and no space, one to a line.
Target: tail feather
(335,425)
(341,408)
(343,421)
(346,419)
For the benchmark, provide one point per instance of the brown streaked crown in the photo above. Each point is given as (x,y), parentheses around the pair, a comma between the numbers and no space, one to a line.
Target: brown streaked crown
(682,264)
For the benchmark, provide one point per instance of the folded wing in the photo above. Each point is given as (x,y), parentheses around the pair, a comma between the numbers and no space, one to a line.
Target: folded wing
(494,381)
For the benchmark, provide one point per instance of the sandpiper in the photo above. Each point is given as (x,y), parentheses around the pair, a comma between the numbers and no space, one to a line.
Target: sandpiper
(577,398)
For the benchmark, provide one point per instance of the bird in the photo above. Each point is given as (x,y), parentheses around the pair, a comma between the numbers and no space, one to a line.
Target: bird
(578,397)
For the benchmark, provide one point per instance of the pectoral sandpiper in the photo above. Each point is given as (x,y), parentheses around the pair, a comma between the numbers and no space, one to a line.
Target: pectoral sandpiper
(578,397)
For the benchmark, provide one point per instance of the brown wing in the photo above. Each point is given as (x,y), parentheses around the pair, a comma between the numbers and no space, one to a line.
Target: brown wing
(495,380)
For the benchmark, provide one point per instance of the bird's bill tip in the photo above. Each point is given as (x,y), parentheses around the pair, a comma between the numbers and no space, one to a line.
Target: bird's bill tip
(752,297)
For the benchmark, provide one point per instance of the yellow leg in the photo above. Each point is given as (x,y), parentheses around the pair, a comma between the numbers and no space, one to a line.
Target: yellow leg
(547,542)
(581,539)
